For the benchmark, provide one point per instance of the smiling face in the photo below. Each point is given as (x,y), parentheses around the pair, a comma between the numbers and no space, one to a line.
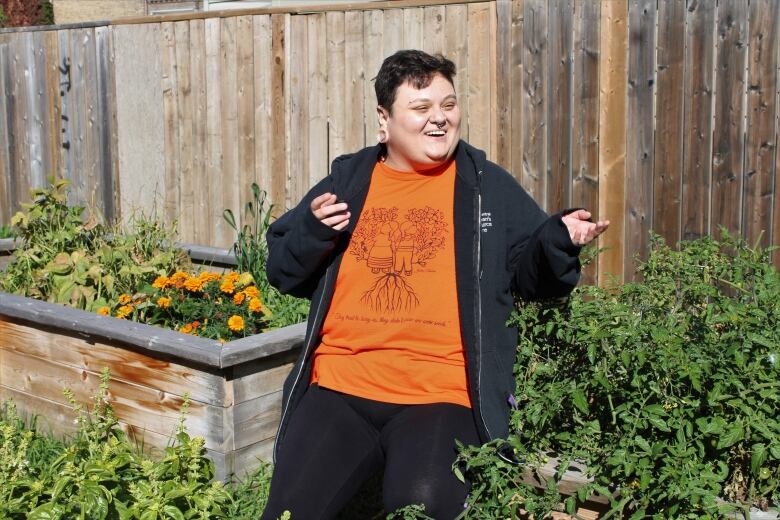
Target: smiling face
(423,128)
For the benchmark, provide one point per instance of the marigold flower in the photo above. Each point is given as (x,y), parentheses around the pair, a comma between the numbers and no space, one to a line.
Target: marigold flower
(232,277)
(161,282)
(124,299)
(178,279)
(255,305)
(195,324)
(193,284)
(252,292)
(123,311)
(227,287)
(163,302)
(238,298)
(186,329)
(105,311)
(236,323)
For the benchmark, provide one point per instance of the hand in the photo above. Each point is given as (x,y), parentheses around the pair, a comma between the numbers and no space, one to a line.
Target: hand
(330,212)
(581,231)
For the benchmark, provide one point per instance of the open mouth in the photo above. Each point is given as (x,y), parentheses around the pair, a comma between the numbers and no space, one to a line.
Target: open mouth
(436,133)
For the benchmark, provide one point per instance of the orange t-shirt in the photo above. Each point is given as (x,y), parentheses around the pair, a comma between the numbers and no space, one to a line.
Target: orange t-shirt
(392,332)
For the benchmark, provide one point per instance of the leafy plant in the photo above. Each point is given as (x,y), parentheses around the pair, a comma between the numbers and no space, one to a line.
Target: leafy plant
(6,231)
(251,253)
(667,389)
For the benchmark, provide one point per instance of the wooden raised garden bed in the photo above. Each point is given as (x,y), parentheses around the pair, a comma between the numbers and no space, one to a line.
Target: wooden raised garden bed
(234,388)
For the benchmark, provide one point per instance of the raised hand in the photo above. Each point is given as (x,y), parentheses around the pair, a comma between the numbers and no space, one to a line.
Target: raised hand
(581,230)
(330,212)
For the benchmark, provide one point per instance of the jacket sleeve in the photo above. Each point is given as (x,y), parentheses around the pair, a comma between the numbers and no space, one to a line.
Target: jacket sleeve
(299,246)
(544,262)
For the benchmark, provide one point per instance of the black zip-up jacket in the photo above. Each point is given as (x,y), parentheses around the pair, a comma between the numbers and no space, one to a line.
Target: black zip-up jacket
(505,245)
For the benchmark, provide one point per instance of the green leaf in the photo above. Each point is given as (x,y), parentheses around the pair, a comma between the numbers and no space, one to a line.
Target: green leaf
(659,423)
(731,436)
(757,457)
(578,398)
(173,512)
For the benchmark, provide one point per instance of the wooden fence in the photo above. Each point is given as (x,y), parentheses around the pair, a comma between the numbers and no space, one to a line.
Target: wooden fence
(657,114)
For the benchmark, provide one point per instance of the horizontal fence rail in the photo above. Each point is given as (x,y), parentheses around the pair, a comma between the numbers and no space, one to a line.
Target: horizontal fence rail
(657,114)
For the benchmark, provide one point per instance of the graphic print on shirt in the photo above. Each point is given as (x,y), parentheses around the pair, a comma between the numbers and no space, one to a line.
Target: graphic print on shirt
(391,246)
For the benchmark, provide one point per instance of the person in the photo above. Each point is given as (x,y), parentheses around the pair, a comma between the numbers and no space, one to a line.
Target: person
(412,252)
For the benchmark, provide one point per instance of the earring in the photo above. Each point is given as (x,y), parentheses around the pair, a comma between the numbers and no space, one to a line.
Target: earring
(381,135)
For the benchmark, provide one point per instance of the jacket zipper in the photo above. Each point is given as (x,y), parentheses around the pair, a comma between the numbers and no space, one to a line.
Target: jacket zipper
(478,276)
(305,352)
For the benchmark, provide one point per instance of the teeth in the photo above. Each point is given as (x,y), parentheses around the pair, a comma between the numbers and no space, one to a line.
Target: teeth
(436,133)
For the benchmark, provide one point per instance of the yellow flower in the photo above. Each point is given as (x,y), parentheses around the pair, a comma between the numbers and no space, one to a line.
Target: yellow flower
(232,277)
(186,329)
(178,279)
(125,299)
(252,292)
(163,302)
(236,323)
(123,311)
(255,305)
(193,284)
(161,282)
(227,287)
(238,298)
(105,311)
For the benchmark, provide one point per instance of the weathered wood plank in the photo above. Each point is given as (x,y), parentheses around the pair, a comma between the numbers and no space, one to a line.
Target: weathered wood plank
(318,164)
(20,56)
(433,22)
(612,134)
(514,141)
(93,180)
(728,130)
(106,134)
(214,158)
(392,32)
(761,140)
(245,93)
(535,81)
(52,93)
(40,164)
(585,116)
(455,48)
(261,377)
(185,212)
(354,136)
(170,92)
(479,82)
(7,200)
(256,420)
(561,28)
(263,67)
(413,28)
(279,111)
(298,109)
(201,183)
(127,365)
(66,86)
(372,60)
(668,159)
(230,175)
(503,83)
(336,66)
(640,139)
(697,165)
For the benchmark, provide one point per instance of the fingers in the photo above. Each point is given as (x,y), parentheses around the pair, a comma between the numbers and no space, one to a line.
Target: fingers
(330,212)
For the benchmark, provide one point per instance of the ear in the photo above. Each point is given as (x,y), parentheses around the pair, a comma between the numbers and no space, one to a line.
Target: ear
(382,116)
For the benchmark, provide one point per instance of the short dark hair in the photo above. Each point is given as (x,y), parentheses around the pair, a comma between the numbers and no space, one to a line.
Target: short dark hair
(416,67)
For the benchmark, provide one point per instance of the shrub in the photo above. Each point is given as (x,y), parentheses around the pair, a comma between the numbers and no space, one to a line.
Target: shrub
(667,389)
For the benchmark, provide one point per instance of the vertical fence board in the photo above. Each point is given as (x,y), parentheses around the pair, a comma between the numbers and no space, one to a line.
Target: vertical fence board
(354,135)
(318,165)
(201,184)
(560,109)
(479,106)
(697,165)
(279,111)
(336,85)
(7,201)
(185,212)
(231,175)
(433,22)
(78,116)
(66,87)
(503,85)
(39,112)
(761,140)
(299,109)
(139,103)
(245,94)
(170,110)
(585,116)
(263,66)
(667,164)
(613,86)
(105,117)
(728,130)
(413,28)
(515,80)
(456,18)
(20,63)
(639,145)
(535,81)
(52,92)
(372,60)
(214,159)
(93,189)
(392,31)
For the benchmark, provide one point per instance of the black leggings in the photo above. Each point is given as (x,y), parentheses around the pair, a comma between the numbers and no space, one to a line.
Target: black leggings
(335,442)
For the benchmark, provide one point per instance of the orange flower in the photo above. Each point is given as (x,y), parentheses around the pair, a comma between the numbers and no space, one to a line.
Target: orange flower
(163,302)
(186,329)
(193,284)
(232,277)
(161,282)
(252,292)
(105,311)
(178,279)
(236,323)
(227,287)
(195,324)
(125,299)
(255,305)
(123,311)
(238,298)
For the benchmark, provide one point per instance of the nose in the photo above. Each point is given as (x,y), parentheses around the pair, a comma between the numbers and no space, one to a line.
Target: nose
(437,117)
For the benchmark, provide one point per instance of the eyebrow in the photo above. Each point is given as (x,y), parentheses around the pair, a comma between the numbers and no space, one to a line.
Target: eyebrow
(426,100)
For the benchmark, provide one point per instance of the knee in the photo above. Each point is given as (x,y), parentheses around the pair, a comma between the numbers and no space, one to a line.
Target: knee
(439,503)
